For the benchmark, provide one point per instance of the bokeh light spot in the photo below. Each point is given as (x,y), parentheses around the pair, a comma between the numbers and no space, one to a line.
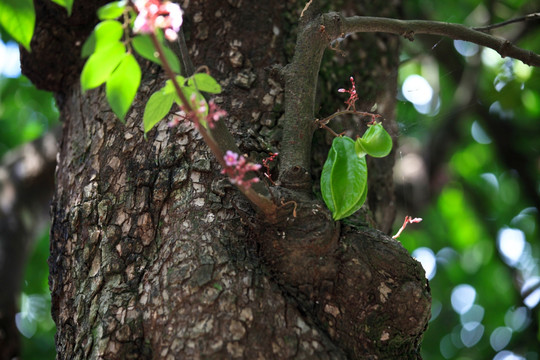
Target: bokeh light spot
(462,298)
(478,134)
(417,90)
(466,48)
(500,337)
(511,243)
(426,257)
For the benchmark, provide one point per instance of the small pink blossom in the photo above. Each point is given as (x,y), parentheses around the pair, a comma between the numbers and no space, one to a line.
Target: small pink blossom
(231,158)
(266,164)
(237,167)
(198,109)
(153,14)
(353,95)
(214,114)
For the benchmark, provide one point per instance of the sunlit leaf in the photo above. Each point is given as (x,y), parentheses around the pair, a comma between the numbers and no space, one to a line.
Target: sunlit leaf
(89,45)
(122,85)
(67,4)
(344,179)
(18,18)
(157,107)
(204,82)
(143,46)
(112,10)
(105,34)
(100,65)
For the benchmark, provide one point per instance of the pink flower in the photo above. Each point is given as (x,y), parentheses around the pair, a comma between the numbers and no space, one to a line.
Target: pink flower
(198,109)
(214,114)
(154,14)
(237,167)
(353,95)
(231,158)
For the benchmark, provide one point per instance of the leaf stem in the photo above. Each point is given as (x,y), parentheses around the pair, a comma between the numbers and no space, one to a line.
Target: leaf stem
(263,203)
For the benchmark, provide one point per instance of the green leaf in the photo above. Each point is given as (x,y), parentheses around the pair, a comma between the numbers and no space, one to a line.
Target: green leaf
(105,34)
(204,82)
(188,92)
(89,45)
(122,85)
(143,46)
(375,142)
(67,4)
(108,32)
(344,179)
(18,18)
(157,108)
(112,10)
(100,65)
(169,87)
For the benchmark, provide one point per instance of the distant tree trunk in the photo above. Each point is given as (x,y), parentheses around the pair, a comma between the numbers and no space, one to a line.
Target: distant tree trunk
(26,188)
(155,255)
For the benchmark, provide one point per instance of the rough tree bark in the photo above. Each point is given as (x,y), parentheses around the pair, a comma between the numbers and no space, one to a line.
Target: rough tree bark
(155,255)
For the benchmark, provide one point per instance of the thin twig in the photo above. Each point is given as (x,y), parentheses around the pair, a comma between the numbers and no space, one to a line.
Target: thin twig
(409,28)
(530,17)
(408,220)
(323,126)
(327,119)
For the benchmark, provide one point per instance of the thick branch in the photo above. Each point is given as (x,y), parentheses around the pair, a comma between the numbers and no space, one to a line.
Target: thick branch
(300,86)
(409,28)
(301,74)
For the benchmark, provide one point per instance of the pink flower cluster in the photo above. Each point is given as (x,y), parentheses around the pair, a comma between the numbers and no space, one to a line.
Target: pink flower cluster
(197,113)
(237,167)
(214,114)
(353,95)
(153,14)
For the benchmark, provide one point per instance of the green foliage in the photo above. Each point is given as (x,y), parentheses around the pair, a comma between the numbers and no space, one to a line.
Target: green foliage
(344,179)
(204,82)
(101,64)
(157,107)
(143,46)
(107,33)
(25,112)
(122,85)
(35,316)
(480,193)
(375,142)
(17,18)
(112,10)
(67,4)
(344,175)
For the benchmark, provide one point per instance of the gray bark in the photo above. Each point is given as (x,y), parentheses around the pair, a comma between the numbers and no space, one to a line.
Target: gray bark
(155,255)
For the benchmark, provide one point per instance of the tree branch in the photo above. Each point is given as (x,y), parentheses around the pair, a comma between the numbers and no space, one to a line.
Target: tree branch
(530,17)
(300,87)
(409,28)
(301,74)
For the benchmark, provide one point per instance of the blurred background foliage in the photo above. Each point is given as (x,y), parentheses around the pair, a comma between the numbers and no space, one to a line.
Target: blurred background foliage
(468,164)
(26,113)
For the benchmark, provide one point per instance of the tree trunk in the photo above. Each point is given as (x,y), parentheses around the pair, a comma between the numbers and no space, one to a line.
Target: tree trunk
(155,255)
